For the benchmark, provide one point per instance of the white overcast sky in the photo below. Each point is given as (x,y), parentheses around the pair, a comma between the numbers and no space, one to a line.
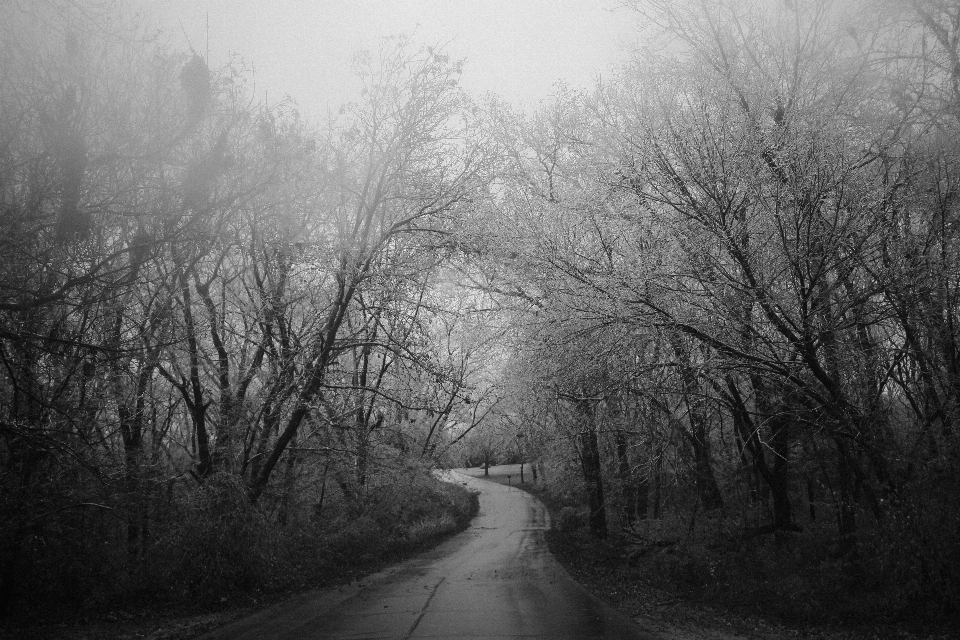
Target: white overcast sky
(517,49)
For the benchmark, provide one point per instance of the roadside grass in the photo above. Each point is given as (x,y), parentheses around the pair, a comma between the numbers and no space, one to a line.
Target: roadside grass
(220,562)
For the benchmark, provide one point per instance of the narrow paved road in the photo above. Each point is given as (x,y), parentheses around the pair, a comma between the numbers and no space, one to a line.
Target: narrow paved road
(494,580)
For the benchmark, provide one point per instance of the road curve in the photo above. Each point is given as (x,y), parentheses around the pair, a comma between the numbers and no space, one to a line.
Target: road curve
(495,580)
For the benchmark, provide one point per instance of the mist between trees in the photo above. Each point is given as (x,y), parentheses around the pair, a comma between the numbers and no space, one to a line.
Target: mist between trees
(721,288)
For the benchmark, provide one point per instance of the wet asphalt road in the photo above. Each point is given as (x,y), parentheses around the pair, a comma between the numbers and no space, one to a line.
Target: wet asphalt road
(494,580)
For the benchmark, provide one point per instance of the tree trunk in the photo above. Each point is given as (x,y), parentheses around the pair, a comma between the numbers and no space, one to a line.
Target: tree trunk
(642,496)
(628,492)
(811,497)
(195,396)
(776,474)
(318,508)
(698,435)
(592,475)
(846,503)
(779,480)
(707,487)
(657,487)
(289,484)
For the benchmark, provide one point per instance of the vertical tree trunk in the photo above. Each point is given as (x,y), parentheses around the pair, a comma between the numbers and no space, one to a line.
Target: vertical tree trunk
(318,508)
(776,474)
(698,435)
(195,397)
(628,492)
(592,475)
(132,414)
(657,487)
(846,503)
(707,487)
(222,455)
(289,484)
(642,494)
(779,481)
(811,497)
(131,433)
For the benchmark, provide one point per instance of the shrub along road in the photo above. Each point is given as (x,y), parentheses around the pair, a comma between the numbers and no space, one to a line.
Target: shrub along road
(495,580)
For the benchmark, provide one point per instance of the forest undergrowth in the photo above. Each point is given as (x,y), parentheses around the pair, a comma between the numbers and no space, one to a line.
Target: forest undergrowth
(219,558)
(688,580)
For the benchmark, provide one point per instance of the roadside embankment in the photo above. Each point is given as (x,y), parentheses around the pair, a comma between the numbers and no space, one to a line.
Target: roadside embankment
(217,575)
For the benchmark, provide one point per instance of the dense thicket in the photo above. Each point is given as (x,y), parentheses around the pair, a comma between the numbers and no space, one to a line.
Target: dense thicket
(219,327)
(736,267)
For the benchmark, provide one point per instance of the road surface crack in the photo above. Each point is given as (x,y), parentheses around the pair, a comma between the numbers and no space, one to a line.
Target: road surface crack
(423,611)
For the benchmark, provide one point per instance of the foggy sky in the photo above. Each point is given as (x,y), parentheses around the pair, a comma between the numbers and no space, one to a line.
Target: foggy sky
(518,49)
